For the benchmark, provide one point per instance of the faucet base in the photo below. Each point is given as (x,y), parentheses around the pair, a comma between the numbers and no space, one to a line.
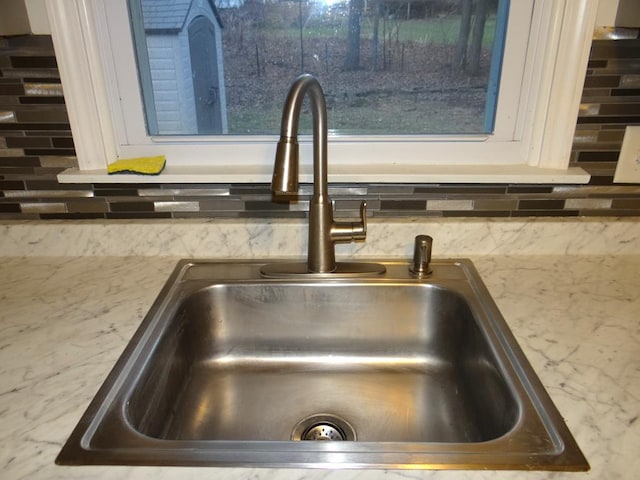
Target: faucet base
(343,270)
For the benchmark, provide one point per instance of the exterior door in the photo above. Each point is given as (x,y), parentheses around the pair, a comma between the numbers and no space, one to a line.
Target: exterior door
(204,67)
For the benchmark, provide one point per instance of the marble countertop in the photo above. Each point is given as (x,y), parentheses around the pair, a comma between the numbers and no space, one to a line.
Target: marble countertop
(65,320)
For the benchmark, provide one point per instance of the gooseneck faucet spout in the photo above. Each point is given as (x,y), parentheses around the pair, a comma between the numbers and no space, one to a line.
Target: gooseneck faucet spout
(324,232)
(285,171)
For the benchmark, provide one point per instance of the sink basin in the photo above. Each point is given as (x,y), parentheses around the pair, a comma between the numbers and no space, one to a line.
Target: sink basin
(231,369)
(241,368)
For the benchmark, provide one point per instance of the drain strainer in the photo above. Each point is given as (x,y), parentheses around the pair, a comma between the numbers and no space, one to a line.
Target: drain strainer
(323,431)
(323,426)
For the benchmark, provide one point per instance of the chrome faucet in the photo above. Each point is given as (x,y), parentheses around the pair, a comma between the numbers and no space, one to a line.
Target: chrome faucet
(324,231)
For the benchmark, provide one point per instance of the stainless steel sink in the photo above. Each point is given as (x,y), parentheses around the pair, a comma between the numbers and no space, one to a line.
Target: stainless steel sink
(232,369)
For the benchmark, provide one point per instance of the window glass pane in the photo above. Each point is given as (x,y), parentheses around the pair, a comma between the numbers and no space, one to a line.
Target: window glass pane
(386,66)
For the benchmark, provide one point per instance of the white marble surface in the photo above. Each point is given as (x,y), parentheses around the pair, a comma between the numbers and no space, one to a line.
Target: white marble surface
(65,320)
(220,238)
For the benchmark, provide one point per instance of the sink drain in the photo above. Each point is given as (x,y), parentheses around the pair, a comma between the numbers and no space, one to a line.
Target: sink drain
(323,427)
(323,431)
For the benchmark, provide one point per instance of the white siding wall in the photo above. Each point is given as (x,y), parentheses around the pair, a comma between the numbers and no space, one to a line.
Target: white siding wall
(186,79)
(164,60)
(186,96)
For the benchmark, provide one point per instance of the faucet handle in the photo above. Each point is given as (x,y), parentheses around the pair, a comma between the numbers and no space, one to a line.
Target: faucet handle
(350,231)
(361,229)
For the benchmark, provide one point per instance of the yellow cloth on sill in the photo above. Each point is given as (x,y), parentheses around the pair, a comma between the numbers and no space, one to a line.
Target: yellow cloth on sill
(141,165)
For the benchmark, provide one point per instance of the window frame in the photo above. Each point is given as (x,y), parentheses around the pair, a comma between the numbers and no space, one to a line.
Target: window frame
(533,147)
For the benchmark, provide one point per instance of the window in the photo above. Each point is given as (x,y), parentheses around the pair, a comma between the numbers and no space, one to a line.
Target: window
(544,60)
(386,67)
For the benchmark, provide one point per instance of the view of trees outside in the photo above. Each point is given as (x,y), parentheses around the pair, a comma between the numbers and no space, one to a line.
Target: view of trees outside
(386,66)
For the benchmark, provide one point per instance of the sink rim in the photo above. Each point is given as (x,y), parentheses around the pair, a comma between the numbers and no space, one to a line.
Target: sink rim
(497,453)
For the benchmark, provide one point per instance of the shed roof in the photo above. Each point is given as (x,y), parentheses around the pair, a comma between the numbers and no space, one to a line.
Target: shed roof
(168,15)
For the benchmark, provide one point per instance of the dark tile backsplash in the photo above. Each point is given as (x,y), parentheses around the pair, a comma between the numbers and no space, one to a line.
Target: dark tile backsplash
(36,144)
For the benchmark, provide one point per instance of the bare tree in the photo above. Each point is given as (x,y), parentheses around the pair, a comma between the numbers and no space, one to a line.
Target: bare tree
(377,8)
(475,49)
(352,60)
(466,9)
(301,29)
(469,46)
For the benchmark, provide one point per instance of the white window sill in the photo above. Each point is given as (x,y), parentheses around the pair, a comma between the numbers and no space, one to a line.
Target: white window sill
(342,174)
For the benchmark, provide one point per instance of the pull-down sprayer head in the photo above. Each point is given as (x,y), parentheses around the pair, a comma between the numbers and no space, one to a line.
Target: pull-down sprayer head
(285,169)
(285,172)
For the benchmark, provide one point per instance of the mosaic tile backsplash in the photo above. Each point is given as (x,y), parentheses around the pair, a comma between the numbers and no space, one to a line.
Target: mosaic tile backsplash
(36,144)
